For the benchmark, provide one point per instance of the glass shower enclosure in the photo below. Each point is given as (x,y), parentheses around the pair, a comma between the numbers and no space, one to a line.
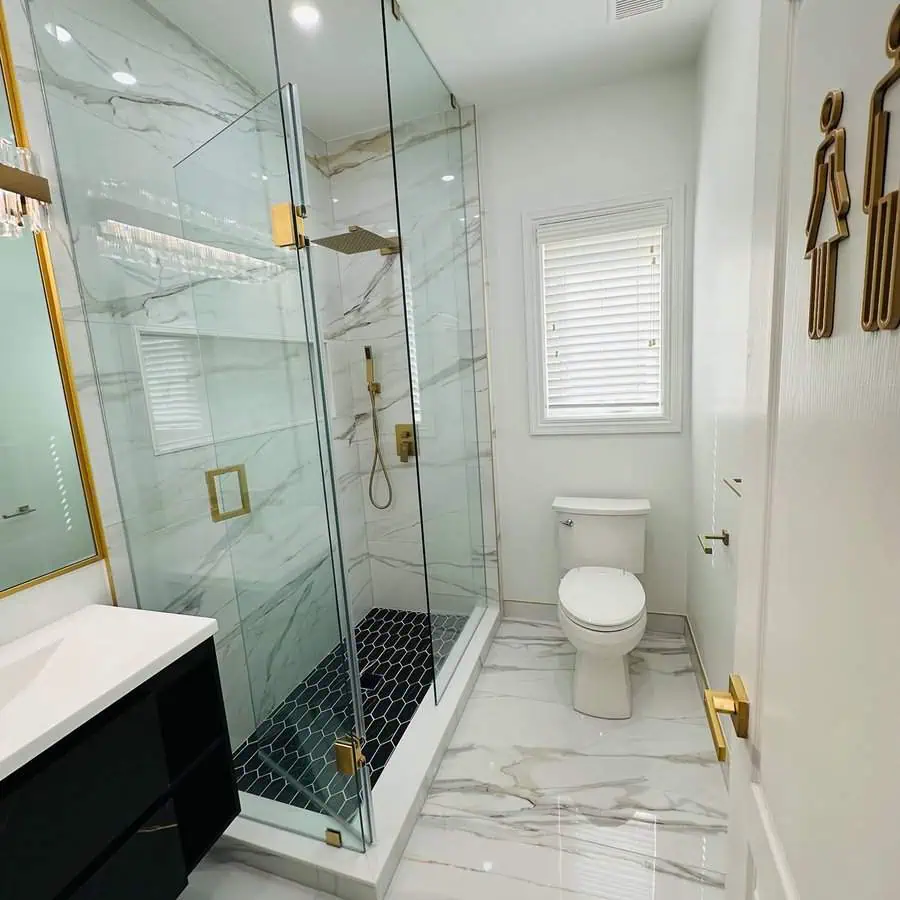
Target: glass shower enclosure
(260,235)
(272,474)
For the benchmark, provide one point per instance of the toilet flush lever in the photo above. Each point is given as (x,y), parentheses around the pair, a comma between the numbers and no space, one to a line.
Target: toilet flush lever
(567,522)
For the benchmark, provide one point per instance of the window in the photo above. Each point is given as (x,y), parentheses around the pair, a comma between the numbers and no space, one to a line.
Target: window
(172,375)
(604,320)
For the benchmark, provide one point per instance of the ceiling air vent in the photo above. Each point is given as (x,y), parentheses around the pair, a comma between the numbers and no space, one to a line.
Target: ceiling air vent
(627,9)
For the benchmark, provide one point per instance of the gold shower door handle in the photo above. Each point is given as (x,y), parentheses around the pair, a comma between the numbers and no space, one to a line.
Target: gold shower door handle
(733,702)
(216,512)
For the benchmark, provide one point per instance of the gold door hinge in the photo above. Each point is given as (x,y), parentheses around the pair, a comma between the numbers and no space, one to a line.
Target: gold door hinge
(283,229)
(348,755)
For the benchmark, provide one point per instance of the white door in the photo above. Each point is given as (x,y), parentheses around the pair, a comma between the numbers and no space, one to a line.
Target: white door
(816,788)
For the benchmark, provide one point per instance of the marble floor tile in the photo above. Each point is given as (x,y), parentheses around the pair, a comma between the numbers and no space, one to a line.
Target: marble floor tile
(230,881)
(534,801)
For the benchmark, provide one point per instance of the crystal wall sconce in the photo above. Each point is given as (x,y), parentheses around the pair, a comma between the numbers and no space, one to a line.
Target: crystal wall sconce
(24,193)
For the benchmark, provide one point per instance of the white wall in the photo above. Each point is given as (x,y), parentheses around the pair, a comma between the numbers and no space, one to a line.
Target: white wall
(612,142)
(725,161)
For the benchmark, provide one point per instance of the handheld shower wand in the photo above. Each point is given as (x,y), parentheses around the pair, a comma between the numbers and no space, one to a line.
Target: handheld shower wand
(374,388)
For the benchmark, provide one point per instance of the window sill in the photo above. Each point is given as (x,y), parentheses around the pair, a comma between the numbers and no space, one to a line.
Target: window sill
(546,427)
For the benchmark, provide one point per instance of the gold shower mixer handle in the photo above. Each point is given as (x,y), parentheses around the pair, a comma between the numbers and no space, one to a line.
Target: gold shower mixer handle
(406,442)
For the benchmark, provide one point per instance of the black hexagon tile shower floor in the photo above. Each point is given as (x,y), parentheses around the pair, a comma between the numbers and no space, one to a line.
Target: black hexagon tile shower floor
(290,756)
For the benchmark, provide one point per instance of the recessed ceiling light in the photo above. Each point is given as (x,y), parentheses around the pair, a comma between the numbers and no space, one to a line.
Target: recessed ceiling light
(335,200)
(392,230)
(58,32)
(448,177)
(124,78)
(306,16)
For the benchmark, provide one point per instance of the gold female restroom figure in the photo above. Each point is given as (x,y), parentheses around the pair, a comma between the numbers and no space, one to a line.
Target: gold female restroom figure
(829,182)
(881,293)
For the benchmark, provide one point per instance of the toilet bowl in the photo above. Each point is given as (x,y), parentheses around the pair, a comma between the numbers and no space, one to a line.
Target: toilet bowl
(603,613)
(602,608)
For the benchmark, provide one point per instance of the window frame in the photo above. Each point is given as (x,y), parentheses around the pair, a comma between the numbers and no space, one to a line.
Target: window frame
(672,313)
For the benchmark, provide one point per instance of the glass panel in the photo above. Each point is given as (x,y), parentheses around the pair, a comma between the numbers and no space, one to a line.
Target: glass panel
(258,354)
(427,132)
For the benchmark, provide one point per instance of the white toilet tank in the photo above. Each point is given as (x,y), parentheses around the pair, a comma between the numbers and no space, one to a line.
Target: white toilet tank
(592,531)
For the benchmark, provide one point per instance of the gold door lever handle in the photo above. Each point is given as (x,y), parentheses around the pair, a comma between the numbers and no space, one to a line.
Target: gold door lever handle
(733,702)
(724,537)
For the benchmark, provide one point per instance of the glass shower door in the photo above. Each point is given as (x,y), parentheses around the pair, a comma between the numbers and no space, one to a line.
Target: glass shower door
(271,490)
(432,211)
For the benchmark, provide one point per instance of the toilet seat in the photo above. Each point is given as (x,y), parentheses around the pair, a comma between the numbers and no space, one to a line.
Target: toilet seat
(602,599)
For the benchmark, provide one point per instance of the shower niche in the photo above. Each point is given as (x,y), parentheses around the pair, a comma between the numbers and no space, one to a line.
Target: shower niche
(334,368)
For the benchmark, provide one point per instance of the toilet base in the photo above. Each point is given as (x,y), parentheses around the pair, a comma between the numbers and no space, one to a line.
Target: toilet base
(602,686)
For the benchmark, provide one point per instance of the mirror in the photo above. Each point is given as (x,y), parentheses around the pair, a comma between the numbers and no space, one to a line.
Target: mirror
(45,523)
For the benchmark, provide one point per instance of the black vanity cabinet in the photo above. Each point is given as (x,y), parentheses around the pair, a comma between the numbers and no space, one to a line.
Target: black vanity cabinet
(128,804)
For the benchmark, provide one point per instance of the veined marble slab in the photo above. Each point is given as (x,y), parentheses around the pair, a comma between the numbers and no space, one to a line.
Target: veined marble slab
(535,801)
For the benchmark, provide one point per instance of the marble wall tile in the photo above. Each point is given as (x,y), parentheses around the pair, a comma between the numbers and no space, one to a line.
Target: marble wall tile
(398,577)
(436,279)
(232,657)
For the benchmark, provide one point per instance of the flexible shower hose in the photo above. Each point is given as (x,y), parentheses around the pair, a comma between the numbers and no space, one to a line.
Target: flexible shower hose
(378,459)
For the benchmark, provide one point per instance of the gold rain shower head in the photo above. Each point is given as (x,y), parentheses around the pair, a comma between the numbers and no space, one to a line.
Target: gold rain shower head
(360,240)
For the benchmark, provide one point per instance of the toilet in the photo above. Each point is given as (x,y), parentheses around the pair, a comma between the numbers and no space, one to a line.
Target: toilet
(602,606)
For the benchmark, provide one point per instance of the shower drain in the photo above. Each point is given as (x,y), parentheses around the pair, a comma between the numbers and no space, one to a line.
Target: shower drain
(368,679)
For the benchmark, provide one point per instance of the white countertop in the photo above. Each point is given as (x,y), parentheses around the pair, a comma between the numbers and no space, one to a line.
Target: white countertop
(57,678)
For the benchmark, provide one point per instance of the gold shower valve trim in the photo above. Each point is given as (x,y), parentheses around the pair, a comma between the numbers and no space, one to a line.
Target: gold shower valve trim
(406,442)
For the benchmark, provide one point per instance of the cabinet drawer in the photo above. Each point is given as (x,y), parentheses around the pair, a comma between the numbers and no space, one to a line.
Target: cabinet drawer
(149,866)
(65,808)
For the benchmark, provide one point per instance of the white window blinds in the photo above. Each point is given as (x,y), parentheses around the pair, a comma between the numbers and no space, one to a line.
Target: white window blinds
(602,295)
(173,386)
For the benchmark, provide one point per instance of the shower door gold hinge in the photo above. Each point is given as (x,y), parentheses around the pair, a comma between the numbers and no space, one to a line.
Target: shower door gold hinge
(348,755)
(333,838)
(285,232)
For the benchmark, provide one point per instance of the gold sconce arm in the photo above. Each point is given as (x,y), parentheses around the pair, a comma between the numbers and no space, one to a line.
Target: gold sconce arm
(25,184)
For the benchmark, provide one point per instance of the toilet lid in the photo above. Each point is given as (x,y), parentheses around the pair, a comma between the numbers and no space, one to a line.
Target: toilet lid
(602,599)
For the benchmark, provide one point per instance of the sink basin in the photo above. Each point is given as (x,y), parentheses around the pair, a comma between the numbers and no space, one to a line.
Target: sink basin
(17,675)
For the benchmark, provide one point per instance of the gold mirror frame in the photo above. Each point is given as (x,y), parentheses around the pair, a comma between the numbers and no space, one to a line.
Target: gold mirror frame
(54,311)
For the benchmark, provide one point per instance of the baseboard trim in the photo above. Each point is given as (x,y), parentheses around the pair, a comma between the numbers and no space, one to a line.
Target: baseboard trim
(667,623)
(529,610)
(702,679)
(696,659)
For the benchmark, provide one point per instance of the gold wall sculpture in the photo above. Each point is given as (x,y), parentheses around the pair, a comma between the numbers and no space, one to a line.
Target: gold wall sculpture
(881,291)
(829,184)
